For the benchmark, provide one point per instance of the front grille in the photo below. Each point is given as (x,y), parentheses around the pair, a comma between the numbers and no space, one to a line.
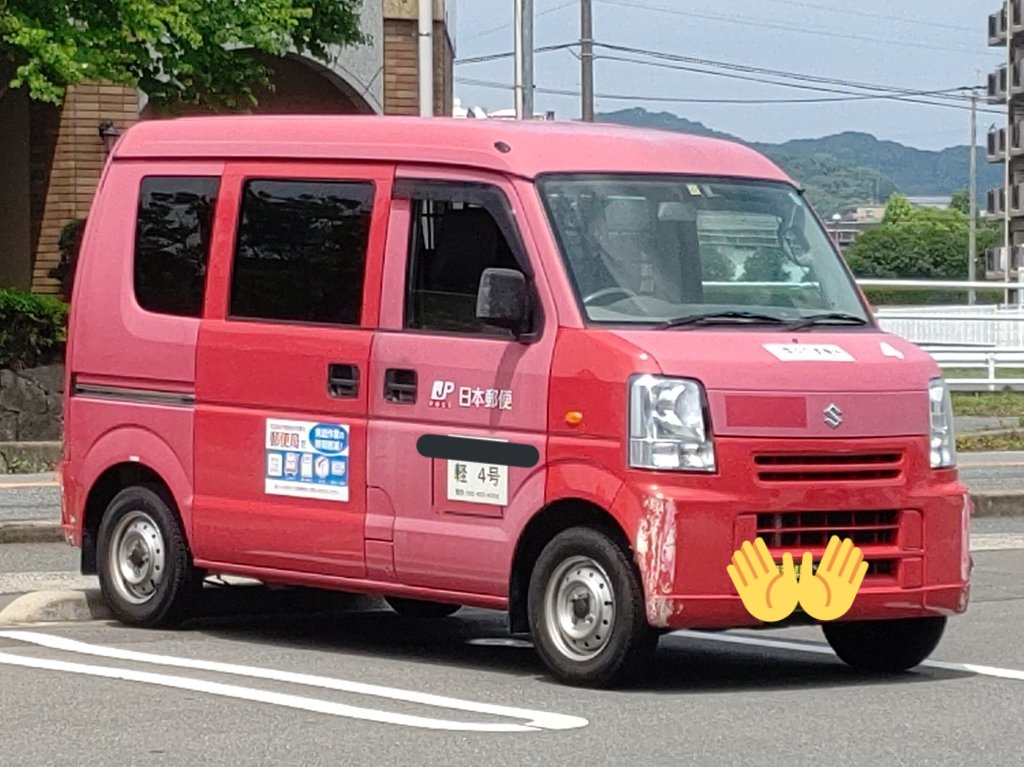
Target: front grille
(813,529)
(836,467)
(881,568)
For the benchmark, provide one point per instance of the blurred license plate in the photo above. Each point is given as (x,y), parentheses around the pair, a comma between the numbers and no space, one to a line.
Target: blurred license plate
(796,566)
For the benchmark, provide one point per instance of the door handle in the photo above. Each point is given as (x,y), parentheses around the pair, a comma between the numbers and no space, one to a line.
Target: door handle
(343,381)
(400,386)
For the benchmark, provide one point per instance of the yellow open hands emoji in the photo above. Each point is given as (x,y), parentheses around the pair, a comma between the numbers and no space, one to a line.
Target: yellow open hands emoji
(828,593)
(771,593)
(768,595)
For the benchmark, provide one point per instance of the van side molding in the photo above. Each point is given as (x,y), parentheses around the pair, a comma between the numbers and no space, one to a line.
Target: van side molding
(133,394)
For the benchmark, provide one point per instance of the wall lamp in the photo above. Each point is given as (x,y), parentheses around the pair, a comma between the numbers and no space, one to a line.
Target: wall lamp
(108,135)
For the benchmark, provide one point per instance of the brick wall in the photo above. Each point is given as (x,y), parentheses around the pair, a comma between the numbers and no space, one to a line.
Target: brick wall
(71,139)
(401,68)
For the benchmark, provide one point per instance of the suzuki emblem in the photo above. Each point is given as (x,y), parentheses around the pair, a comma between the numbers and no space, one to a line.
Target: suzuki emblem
(833,416)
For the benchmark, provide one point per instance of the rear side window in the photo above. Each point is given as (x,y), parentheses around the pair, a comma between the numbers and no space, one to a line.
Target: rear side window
(172,243)
(301,251)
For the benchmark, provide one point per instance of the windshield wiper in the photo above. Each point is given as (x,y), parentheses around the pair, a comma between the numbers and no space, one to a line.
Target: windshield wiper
(832,318)
(712,318)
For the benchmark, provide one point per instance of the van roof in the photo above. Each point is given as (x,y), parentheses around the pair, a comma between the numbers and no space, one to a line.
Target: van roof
(533,147)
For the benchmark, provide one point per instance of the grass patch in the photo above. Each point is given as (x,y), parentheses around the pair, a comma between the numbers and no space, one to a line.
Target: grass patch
(996,404)
(1013,440)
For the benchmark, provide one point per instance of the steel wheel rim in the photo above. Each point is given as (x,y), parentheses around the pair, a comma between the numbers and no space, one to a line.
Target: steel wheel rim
(579,607)
(136,558)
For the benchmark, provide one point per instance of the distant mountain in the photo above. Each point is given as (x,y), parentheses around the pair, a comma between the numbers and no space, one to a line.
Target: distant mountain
(848,167)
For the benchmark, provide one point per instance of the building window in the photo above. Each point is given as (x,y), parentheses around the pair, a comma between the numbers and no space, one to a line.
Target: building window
(172,243)
(301,251)
(453,241)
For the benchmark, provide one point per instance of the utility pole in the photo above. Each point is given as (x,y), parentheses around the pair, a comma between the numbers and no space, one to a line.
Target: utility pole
(426,57)
(524,59)
(972,248)
(517,25)
(587,57)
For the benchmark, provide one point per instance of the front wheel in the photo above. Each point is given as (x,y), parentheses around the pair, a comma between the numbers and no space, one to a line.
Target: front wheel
(145,570)
(891,646)
(586,609)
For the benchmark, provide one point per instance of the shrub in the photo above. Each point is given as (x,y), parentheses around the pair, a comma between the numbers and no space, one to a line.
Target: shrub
(33,329)
(69,244)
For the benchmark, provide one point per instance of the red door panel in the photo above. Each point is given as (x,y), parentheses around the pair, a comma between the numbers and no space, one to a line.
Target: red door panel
(270,493)
(444,535)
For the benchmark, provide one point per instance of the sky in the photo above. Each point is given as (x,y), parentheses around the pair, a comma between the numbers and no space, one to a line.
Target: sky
(911,45)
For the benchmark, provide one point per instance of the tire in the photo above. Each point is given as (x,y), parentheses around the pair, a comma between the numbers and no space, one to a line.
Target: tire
(892,646)
(415,608)
(144,565)
(571,576)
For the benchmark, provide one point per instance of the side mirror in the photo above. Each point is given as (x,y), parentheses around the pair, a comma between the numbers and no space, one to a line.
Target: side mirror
(502,299)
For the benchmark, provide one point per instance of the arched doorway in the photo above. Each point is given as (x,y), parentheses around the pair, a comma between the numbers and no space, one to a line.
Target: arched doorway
(298,85)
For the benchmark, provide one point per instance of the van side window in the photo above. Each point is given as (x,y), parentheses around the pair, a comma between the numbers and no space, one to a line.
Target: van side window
(452,244)
(172,243)
(301,251)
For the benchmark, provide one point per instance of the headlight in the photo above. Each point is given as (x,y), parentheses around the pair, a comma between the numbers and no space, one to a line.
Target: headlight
(667,425)
(943,440)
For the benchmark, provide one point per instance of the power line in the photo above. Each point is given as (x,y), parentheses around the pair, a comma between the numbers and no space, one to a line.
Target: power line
(765,24)
(868,15)
(681,100)
(906,95)
(751,78)
(507,24)
(760,70)
(506,55)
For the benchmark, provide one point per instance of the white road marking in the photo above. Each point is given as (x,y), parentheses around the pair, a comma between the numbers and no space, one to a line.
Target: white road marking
(824,649)
(535,720)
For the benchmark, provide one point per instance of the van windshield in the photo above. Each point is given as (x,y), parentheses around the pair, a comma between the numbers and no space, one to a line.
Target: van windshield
(679,251)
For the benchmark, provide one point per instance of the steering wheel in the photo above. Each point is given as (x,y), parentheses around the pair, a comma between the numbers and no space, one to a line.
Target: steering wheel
(625,292)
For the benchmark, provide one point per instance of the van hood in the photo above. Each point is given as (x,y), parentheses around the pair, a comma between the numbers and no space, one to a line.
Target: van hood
(771,383)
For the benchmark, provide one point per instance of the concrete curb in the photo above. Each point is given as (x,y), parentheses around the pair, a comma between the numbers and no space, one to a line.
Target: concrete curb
(29,457)
(56,607)
(31,532)
(988,504)
(1005,503)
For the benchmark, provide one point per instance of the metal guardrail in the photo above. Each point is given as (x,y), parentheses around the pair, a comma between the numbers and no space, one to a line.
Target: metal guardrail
(984,337)
(992,361)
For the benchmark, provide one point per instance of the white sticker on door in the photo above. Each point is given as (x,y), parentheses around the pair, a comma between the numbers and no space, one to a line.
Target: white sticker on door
(809,352)
(472,482)
(305,459)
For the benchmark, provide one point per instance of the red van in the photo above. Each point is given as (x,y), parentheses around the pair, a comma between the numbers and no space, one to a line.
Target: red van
(273,315)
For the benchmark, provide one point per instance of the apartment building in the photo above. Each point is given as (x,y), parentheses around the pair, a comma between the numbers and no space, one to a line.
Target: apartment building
(1006,142)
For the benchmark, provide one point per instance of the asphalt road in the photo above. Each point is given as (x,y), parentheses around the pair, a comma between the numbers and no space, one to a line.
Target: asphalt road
(707,701)
(35,497)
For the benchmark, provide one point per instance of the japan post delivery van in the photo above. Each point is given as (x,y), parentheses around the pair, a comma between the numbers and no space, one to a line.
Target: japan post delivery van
(599,378)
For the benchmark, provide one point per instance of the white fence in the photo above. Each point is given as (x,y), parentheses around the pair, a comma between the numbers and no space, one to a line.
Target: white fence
(983,337)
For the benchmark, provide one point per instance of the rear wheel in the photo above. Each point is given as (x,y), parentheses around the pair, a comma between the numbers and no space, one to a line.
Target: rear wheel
(586,609)
(145,570)
(890,646)
(415,608)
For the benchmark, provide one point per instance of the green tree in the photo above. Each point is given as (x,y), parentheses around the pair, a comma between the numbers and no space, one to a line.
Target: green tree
(919,243)
(716,265)
(962,201)
(765,265)
(898,210)
(185,51)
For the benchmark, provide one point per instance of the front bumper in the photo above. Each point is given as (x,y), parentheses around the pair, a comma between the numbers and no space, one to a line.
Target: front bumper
(912,525)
